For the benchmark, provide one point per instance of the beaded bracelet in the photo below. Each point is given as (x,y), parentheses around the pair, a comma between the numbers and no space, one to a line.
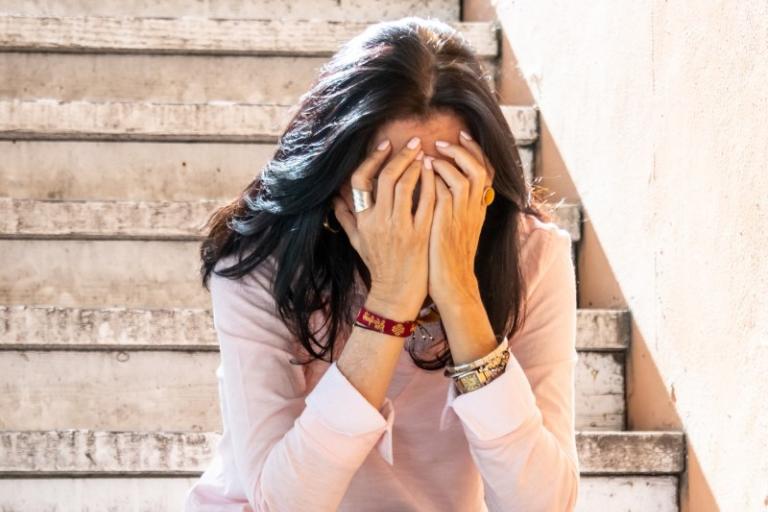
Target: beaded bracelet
(370,320)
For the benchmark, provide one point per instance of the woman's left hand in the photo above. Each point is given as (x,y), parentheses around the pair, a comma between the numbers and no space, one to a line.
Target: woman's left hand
(458,220)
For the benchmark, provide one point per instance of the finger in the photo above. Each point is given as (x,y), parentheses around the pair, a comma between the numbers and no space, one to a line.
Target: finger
(457,182)
(404,191)
(346,194)
(473,168)
(346,218)
(426,206)
(443,199)
(474,148)
(362,177)
(391,173)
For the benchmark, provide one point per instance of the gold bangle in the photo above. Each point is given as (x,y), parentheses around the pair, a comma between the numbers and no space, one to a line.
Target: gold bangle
(492,356)
(479,377)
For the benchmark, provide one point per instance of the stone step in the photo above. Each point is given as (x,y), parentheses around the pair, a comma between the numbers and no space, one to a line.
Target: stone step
(199,122)
(178,390)
(198,35)
(108,271)
(123,220)
(41,328)
(80,452)
(98,78)
(643,493)
(102,273)
(373,10)
(139,171)
(112,345)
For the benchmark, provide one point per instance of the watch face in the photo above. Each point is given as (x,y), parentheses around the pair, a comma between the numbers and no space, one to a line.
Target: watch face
(470,381)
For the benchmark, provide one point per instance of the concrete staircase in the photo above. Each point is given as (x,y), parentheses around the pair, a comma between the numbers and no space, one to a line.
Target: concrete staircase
(119,135)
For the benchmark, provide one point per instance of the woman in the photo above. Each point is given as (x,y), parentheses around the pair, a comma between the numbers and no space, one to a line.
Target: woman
(328,324)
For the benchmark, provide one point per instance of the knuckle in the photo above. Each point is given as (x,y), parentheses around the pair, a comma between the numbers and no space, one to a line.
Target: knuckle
(385,178)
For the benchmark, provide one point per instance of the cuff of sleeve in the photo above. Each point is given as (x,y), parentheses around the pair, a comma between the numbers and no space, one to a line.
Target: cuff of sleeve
(342,408)
(495,409)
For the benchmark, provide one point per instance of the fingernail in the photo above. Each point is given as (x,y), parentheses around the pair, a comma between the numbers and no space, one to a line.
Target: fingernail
(428,162)
(383,145)
(465,135)
(441,144)
(414,142)
(420,155)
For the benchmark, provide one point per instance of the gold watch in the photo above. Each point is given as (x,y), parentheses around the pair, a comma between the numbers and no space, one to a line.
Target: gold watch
(479,377)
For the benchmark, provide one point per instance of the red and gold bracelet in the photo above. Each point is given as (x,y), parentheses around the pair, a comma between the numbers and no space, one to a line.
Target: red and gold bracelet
(370,320)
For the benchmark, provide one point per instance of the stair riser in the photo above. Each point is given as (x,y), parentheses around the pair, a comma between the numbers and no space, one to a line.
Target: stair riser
(151,171)
(159,171)
(150,390)
(102,273)
(206,36)
(627,494)
(373,10)
(171,79)
(90,219)
(200,122)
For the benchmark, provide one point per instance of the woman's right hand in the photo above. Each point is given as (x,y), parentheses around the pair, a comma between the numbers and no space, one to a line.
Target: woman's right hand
(392,240)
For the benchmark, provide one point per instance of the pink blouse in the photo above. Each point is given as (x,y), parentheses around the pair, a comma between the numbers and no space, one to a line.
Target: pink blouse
(299,438)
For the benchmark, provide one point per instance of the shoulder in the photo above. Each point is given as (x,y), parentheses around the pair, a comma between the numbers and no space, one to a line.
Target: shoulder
(260,276)
(248,291)
(541,244)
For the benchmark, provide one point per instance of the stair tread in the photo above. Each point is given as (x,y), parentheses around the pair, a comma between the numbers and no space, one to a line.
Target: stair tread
(627,493)
(198,35)
(92,452)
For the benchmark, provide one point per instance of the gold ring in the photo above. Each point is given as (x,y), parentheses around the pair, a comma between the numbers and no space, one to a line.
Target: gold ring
(488,195)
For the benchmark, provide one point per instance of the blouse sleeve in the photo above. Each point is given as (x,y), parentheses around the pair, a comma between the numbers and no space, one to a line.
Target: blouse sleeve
(292,450)
(520,427)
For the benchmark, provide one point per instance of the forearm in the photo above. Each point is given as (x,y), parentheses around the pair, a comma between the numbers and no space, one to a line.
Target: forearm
(370,357)
(468,329)
(527,468)
(524,462)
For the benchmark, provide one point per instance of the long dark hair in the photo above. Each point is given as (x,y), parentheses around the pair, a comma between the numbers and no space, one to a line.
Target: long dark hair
(408,68)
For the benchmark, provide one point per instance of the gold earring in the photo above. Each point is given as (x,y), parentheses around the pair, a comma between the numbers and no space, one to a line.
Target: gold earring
(488,195)
(326,225)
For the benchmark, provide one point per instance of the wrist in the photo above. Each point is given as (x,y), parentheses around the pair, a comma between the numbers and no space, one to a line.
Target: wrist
(390,307)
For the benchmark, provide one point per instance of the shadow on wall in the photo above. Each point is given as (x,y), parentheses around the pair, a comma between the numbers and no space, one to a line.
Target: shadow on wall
(650,406)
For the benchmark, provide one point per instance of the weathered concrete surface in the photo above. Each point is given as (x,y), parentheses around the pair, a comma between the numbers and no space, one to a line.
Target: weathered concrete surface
(676,191)
(278,80)
(140,171)
(120,220)
(138,494)
(209,36)
(343,10)
(178,390)
(212,121)
(103,453)
(28,327)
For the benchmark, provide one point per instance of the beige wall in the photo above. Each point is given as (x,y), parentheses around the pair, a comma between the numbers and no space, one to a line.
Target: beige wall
(655,118)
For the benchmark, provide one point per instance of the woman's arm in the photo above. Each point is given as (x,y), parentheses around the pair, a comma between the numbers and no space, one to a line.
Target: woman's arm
(521,426)
(294,451)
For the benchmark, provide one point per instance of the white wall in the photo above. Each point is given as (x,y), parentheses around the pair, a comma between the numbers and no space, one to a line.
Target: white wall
(656,119)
